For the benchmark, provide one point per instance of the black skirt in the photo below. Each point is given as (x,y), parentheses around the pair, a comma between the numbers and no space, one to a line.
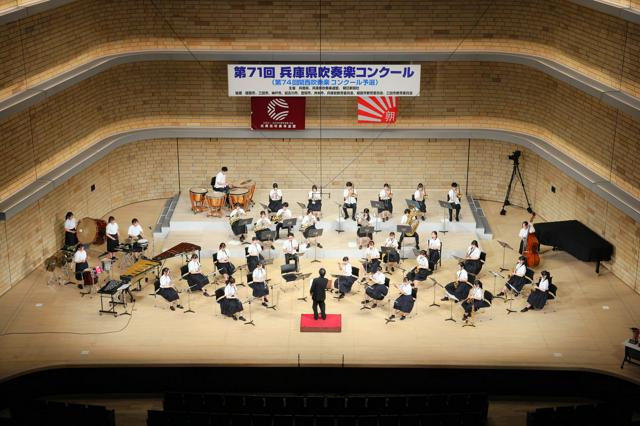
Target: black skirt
(474,304)
(344,284)
(262,235)
(315,206)
(226,268)
(306,231)
(537,299)
(473,266)
(404,303)
(422,206)
(275,205)
(363,234)
(259,289)
(387,205)
(516,283)
(377,291)
(418,274)
(197,281)
(434,257)
(230,306)
(112,245)
(79,268)
(70,238)
(237,229)
(252,262)
(393,256)
(373,265)
(169,294)
(460,292)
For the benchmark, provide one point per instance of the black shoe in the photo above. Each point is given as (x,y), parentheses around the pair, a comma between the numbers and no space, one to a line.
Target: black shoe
(206,294)
(457,220)
(172,308)
(235,318)
(402,318)
(179,306)
(353,218)
(525,309)
(241,318)
(341,296)
(359,247)
(364,302)
(392,317)
(315,318)
(324,317)
(319,245)
(80,286)
(444,299)
(375,305)
(393,269)
(500,294)
(265,304)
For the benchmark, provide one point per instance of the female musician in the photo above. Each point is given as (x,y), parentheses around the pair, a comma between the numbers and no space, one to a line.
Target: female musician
(70,236)
(283,214)
(112,238)
(275,198)
(393,257)
(459,288)
(377,291)
(406,220)
(539,294)
(290,248)
(345,280)
(135,234)
(309,223)
(315,201)
(386,198)
(168,291)
(420,197)
(195,278)
(372,258)
(453,196)
(526,229)
(236,214)
(230,304)
(474,301)
(80,259)
(422,270)
(223,264)
(259,284)
(517,279)
(435,249)
(472,262)
(262,226)
(364,219)
(350,197)
(254,254)
(404,304)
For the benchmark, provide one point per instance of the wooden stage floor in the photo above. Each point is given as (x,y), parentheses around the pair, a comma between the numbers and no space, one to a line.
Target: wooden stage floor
(45,326)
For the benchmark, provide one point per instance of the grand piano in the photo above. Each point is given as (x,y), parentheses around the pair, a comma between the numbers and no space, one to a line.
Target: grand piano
(575,238)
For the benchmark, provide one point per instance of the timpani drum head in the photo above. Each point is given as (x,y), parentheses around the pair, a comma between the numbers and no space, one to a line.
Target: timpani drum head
(238,191)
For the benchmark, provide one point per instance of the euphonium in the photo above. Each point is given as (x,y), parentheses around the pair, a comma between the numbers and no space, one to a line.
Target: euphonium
(413,221)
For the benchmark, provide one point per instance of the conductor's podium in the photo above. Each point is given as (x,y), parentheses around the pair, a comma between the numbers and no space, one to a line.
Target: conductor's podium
(333,323)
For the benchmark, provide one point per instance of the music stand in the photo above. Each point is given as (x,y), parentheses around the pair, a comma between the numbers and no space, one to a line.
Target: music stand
(377,205)
(244,222)
(302,277)
(435,283)
(289,224)
(412,204)
(383,251)
(339,229)
(265,207)
(315,233)
(445,206)
(269,236)
(249,301)
(505,246)
(303,207)
(189,289)
(495,278)
(403,229)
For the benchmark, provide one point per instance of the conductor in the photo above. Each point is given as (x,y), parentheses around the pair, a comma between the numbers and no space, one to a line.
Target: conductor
(317,291)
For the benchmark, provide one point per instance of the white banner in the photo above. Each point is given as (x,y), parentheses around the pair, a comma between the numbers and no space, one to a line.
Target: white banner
(324,80)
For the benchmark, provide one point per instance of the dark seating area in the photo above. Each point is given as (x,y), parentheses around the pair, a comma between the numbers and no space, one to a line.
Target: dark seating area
(39,412)
(320,410)
(580,415)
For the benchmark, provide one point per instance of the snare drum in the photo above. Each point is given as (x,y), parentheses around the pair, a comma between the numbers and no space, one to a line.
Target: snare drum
(197,197)
(239,196)
(215,201)
(140,245)
(91,231)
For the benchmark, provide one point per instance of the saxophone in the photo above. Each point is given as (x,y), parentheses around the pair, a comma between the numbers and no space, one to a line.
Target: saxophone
(277,218)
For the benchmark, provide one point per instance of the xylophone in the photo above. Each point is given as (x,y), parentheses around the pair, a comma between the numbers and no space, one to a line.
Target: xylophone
(138,270)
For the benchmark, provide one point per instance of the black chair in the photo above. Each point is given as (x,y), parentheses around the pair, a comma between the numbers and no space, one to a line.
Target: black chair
(240,420)
(376,403)
(325,421)
(437,404)
(274,404)
(213,402)
(346,421)
(254,403)
(294,404)
(356,403)
(261,420)
(396,403)
(368,420)
(315,404)
(416,403)
(233,403)
(282,420)
(336,404)
(303,420)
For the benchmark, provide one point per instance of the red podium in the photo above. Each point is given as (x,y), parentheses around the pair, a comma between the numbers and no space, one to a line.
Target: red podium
(333,323)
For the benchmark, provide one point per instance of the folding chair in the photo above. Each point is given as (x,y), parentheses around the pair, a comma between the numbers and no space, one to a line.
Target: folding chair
(487,300)
(552,294)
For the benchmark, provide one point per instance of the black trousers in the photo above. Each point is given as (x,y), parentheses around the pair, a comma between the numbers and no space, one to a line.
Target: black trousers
(353,207)
(414,236)
(315,305)
(453,207)
(279,227)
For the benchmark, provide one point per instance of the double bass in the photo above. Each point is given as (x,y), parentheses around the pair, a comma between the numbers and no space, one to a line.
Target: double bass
(532,245)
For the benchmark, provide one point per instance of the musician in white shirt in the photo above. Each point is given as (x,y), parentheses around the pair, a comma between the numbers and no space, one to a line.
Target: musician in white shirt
(315,201)
(284,213)
(309,223)
(275,199)
(404,304)
(220,184)
(135,233)
(526,229)
(363,220)
(350,197)
(420,197)
(517,279)
(80,259)
(290,248)
(434,249)
(422,270)
(222,262)
(168,291)
(238,213)
(344,282)
(70,232)
(385,196)
(404,220)
(230,305)
(540,293)
(474,301)
(392,257)
(472,262)
(453,197)
(195,278)
(262,226)
(254,254)
(377,290)
(459,288)
(372,259)
(259,284)
(113,242)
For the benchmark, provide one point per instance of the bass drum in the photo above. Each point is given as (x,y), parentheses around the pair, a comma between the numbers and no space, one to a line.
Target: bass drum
(91,231)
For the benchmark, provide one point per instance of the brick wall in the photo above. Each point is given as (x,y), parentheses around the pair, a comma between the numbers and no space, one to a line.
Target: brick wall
(149,169)
(489,95)
(49,43)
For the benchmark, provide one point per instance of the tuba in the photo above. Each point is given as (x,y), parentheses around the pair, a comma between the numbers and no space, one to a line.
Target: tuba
(413,222)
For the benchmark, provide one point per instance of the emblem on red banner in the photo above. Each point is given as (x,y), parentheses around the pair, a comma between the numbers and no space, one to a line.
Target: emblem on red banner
(281,113)
(377,109)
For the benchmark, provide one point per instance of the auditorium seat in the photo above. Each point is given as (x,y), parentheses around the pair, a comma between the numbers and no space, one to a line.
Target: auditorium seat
(274,404)
(367,421)
(302,420)
(336,403)
(282,420)
(376,403)
(325,420)
(346,421)
(39,412)
(356,403)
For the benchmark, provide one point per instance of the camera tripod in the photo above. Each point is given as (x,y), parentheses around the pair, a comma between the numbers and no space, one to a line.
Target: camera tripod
(515,175)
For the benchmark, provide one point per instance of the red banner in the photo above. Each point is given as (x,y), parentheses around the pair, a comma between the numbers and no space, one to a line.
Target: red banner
(377,109)
(281,113)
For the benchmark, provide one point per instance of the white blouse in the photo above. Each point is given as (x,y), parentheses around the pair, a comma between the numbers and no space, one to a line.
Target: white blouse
(423,262)
(520,270)
(391,242)
(315,196)
(462,276)
(347,270)
(70,224)
(285,213)
(371,253)
(259,275)
(349,199)
(435,244)
(378,277)
(308,220)
(543,284)
(290,246)
(80,256)
(194,266)
(223,256)
(275,194)
(230,291)
(221,180)
(254,249)
(476,293)
(418,195)
(453,197)
(384,195)
(473,253)
(405,288)
(237,212)
(165,281)
(135,230)
(112,228)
